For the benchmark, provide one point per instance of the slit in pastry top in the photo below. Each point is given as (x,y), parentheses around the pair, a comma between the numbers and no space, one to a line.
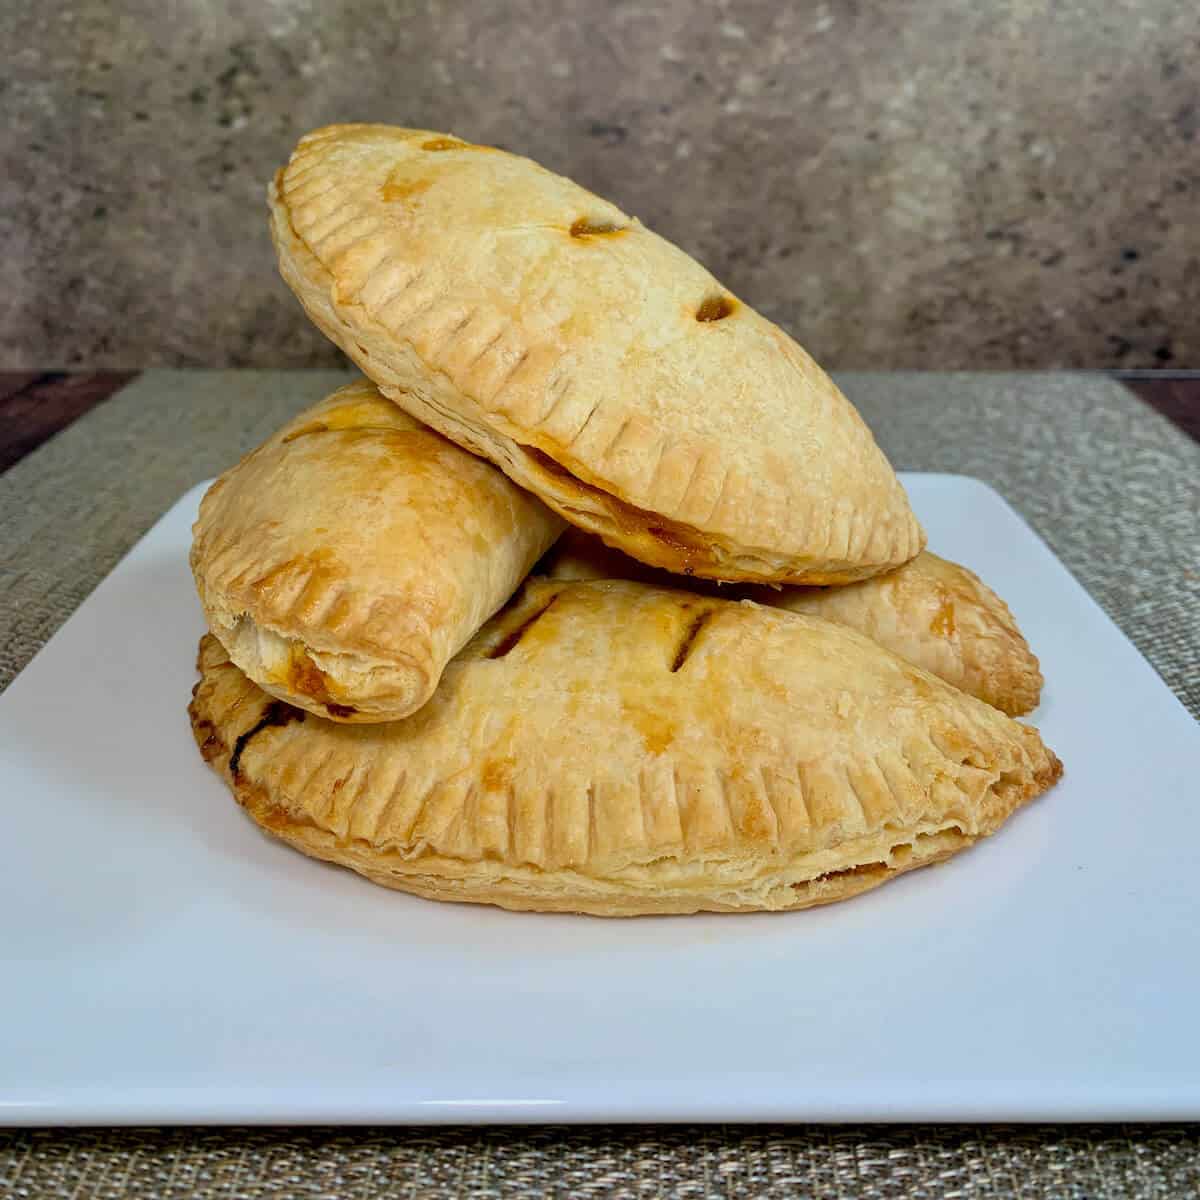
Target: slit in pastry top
(938,615)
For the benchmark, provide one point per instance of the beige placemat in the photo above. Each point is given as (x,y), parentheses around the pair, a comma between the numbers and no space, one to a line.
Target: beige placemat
(1113,488)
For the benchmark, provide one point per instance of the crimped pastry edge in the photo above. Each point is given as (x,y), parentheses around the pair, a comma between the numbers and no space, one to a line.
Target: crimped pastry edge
(530,460)
(805,881)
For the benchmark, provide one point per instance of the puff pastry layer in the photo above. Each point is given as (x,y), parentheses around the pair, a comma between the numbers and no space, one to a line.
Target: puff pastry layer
(936,614)
(347,559)
(597,364)
(616,749)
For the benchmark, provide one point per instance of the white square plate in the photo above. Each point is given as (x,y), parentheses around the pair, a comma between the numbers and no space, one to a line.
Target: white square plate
(162,961)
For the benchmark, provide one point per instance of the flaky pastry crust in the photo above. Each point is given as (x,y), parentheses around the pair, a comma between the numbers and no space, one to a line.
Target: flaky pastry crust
(347,559)
(616,749)
(597,364)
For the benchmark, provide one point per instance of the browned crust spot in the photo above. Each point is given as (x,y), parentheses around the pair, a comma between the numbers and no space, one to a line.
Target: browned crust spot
(305,677)
(395,190)
(207,738)
(943,623)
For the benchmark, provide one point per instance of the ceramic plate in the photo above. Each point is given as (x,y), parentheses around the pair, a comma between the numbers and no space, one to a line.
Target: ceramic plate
(163,961)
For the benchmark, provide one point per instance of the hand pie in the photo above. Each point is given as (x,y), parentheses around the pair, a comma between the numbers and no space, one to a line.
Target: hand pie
(932,612)
(941,617)
(597,364)
(344,562)
(616,749)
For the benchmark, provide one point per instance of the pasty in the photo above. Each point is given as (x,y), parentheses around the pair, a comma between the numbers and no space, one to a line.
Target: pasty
(616,749)
(347,559)
(597,364)
(936,614)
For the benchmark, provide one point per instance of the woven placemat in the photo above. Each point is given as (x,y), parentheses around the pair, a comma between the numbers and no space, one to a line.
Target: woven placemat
(1112,487)
(696,1162)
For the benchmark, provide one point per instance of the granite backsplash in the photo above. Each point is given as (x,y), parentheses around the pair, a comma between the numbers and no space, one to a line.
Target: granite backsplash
(918,183)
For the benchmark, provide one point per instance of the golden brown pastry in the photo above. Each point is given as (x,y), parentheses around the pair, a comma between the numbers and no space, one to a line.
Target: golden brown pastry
(597,364)
(616,749)
(932,612)
(940,616)
(344,562)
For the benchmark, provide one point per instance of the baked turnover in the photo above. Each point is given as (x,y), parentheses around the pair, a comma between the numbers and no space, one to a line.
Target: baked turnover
(347,559)
(616,749)
(936,614)
(596,363)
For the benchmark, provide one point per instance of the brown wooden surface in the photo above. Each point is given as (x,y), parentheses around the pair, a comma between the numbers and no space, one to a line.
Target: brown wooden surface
(34,406)
(12,382)
(1175,397)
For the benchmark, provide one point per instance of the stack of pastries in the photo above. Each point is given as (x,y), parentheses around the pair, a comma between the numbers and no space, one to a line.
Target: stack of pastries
(595,595)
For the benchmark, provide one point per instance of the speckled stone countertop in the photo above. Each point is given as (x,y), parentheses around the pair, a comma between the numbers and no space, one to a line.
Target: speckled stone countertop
(923,183)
